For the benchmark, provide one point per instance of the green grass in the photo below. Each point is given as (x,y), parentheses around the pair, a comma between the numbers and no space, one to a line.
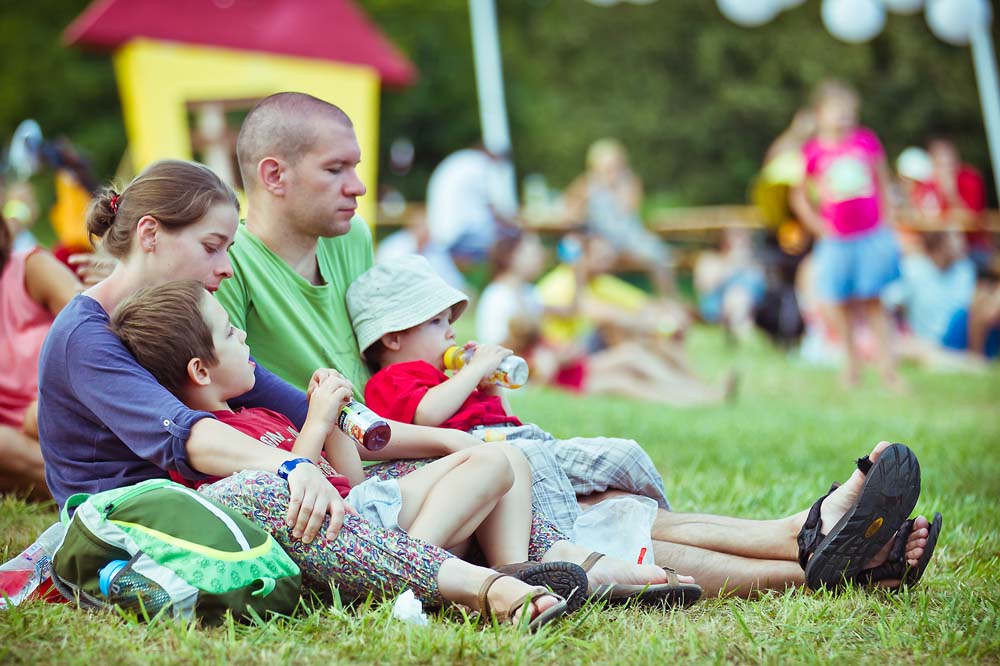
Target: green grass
(790,433)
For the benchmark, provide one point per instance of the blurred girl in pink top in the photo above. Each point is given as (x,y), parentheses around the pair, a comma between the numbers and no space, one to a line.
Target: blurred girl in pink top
(34,287)
(844,202)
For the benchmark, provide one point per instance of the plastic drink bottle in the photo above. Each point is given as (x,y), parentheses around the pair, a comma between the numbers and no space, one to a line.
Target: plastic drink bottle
(29,572)
(130,589)
(511,373)
(364,426)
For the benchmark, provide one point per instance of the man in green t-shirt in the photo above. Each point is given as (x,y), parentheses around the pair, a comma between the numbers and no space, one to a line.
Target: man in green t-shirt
(301,247)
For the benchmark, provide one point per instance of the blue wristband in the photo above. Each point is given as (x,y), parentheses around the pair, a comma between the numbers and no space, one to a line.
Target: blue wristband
(286,467)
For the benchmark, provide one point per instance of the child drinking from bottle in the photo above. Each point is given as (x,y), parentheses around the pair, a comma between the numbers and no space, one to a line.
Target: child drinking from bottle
(402,314)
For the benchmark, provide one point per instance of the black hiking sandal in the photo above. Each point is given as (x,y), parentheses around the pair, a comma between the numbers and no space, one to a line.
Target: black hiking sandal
(889,493)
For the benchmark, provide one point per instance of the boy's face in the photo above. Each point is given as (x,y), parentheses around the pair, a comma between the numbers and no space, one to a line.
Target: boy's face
(429,340)
(233,374)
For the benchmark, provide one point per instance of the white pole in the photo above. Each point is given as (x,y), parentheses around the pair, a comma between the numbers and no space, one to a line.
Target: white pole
(489,83)
(985,61)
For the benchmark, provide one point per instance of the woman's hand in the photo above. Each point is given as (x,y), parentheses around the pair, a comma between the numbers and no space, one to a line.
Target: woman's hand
(311,498)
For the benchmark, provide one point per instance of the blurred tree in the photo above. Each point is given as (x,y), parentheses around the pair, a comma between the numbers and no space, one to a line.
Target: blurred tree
(696,98)
(67,91)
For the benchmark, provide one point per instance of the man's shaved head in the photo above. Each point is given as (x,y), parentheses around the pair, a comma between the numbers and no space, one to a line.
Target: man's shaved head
(282,125)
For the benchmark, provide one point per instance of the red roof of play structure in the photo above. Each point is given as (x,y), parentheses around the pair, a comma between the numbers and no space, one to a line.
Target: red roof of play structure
(324,29)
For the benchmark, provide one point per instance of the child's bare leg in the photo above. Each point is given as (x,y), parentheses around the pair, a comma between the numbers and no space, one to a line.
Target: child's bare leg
(882,326)
(504,534)
(445,501)
(839,315)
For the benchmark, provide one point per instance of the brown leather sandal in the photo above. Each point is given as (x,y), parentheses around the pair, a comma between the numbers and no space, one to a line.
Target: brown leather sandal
(664,595)
(538,620)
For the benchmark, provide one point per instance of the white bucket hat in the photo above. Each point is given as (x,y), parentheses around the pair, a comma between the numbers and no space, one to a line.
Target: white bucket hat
(399,295)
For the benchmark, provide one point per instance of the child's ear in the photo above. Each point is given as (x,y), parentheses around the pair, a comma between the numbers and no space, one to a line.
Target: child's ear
(391,341)
(198,372)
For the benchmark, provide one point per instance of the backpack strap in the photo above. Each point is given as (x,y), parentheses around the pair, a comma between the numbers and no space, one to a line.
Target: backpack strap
(71,503)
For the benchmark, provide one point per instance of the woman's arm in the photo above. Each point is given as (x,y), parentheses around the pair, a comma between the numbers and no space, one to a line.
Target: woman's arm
(49,282)
(411,442)
(220,450)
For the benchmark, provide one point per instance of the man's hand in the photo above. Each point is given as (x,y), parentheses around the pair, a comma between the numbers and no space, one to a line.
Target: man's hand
(311,498)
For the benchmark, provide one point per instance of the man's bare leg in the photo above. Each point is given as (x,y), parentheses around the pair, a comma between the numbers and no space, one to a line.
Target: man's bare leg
(724,574)
(733,554)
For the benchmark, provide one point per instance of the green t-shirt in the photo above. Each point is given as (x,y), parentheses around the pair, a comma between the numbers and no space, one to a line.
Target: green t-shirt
(294,327)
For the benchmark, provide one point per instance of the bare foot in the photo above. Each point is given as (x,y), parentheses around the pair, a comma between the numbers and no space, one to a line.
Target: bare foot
(610,569)
(507,590)
(914,549)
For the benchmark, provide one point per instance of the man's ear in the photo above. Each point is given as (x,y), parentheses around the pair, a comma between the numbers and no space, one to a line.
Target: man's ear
(391,341)
(145,231)
(198,372)
(271,172)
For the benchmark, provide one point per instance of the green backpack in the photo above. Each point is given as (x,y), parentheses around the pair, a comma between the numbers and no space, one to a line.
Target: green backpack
(158,544)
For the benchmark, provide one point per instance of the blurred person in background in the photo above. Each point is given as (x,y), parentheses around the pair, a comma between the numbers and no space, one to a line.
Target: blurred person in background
(607,200)
(625,341)
(466,208)
(955,195)
(415,238)
(34,287)
(856,253)
(511,312)
(729,283)
(935,294)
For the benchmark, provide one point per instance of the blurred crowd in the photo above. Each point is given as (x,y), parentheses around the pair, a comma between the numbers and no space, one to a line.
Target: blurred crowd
(855,263)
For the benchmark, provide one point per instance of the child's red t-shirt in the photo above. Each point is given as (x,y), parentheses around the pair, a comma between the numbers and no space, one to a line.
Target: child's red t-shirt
(273,429)
(394,392)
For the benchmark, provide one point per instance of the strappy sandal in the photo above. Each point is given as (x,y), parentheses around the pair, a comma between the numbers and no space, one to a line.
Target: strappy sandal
(566,579)
(671,594)
(890,491)
(538,620)
(895,567)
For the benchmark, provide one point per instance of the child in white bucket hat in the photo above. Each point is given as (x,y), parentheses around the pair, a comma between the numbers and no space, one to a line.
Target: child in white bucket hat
(402,314)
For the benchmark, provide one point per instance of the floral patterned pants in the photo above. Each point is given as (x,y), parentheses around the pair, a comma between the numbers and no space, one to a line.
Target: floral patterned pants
(362,559)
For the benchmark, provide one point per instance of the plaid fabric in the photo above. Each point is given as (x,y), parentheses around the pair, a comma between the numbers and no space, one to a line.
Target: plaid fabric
(565,468)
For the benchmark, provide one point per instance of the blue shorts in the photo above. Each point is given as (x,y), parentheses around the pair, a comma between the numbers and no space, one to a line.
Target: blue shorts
(856,267)
(378,501)
(957,335)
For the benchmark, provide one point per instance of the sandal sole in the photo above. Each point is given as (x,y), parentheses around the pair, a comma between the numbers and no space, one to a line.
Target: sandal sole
(566,579)
(890,491)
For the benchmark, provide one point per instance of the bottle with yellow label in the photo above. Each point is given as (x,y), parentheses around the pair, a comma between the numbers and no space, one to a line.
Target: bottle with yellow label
(511,373)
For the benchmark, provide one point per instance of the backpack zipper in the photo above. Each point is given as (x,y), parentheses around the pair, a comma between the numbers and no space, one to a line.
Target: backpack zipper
(230,524)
